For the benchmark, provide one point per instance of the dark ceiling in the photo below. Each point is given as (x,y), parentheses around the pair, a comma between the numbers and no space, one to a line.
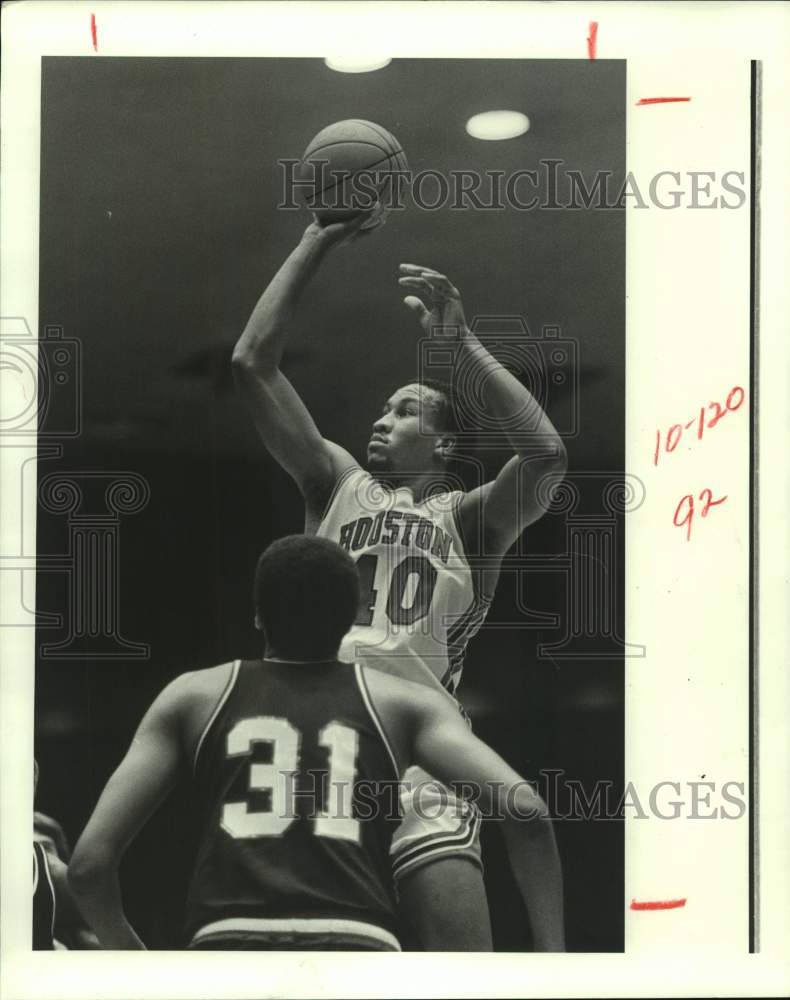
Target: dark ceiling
(160,227)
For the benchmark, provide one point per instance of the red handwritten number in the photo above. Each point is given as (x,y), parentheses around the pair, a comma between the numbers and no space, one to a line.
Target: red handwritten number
(735,401)
(687,518)
(710,502)
(687,502)
(670,444)
(718,415)
(732,407)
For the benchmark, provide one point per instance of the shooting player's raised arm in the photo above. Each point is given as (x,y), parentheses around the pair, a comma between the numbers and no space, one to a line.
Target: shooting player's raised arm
(281,418)
(500,510)
(493,515)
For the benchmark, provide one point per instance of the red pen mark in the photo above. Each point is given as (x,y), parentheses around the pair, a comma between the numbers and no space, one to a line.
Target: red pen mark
(661,100)
(659,904)
(733,402)
(677,430)
(93,33)
(592,39)
(687,501)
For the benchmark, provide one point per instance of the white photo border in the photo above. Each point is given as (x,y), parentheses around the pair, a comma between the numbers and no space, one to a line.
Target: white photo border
(687,702)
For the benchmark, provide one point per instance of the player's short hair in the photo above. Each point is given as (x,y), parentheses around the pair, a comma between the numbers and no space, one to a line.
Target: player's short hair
(445,408)
(306,596)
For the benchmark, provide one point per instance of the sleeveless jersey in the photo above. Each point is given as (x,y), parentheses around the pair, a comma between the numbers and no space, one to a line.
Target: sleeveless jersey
(43,901)
(419,604)
(297,799)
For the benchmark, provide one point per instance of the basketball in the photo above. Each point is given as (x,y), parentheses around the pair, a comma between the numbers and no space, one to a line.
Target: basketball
(349,167)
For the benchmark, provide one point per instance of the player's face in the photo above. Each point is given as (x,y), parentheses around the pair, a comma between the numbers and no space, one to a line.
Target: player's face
(405,436)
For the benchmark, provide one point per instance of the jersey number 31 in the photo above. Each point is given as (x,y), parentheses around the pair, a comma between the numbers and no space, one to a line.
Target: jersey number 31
(279,778)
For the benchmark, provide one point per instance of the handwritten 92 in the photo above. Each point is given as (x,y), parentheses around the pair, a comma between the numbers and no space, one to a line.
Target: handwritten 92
(689,505)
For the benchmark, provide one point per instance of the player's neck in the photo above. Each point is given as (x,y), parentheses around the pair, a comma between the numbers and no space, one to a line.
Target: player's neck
(421,486)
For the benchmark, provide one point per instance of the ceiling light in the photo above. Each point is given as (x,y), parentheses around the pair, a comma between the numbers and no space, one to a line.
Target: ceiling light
(497,125)
(357,64)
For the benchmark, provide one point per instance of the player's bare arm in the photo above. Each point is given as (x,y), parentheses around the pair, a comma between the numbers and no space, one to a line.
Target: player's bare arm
(143,779)
(423,729)
(281,418)
(498,511)
(70,927)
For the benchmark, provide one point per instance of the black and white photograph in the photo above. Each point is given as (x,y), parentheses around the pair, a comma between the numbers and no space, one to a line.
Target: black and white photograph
(383,476)
(250,369)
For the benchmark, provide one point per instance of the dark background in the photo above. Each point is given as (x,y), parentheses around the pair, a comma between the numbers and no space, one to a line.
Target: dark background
(159,229)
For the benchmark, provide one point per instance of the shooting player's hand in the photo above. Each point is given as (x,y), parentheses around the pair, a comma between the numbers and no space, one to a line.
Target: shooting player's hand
(438,302)
(336,234)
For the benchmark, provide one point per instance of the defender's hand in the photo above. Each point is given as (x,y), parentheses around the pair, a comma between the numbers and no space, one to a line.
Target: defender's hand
(442,301)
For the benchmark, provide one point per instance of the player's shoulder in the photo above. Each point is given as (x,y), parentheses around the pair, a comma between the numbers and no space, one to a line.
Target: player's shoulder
(445,502)
(343,462)
(321,496)
(195,686)
(344,469)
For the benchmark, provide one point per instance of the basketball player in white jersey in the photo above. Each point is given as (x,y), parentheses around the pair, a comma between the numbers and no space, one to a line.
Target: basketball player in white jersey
(291,758)
(420,600)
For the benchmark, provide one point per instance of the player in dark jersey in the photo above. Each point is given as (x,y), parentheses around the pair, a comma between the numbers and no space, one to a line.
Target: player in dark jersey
(295,760)
(44,906)
(415,546)
(55,916)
